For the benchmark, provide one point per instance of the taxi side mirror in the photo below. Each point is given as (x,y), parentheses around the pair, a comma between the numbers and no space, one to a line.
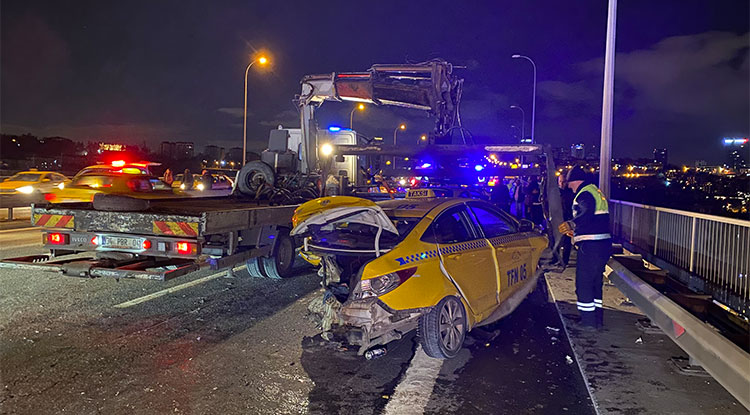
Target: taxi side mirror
(526,225)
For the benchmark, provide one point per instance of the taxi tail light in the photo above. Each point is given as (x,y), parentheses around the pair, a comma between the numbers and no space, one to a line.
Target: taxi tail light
(185,248)
(49,197)
(57,238)
(385,283)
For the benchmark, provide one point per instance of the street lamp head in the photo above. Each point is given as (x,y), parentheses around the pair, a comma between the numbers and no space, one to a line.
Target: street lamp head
(402,126)
(514,106)
(516,56)
(423,137)
(262,60)
(361,107)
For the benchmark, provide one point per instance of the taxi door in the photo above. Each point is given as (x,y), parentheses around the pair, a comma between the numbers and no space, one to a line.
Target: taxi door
(466,257)
(511,248)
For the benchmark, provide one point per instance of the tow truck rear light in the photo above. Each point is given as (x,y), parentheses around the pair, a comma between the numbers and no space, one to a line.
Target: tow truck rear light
(94,240)
(57,238)
(146,244)
(185,248)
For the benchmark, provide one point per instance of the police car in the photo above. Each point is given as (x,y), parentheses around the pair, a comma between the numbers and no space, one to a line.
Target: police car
(443,265)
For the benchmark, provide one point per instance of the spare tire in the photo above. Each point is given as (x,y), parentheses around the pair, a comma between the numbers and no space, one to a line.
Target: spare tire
(253,175)
(119,203)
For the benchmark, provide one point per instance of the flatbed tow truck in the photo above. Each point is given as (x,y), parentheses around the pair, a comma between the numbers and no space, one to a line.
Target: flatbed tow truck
(118,236)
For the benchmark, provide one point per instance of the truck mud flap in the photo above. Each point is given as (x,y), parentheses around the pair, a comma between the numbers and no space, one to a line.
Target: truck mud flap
(92,268)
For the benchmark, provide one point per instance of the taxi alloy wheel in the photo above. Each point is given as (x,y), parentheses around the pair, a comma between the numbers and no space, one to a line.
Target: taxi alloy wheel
(443,329)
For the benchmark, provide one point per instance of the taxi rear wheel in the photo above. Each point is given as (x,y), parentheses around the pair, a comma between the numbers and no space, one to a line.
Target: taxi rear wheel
(443,329)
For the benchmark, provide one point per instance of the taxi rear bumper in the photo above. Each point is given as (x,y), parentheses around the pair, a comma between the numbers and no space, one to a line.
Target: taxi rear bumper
(370,322)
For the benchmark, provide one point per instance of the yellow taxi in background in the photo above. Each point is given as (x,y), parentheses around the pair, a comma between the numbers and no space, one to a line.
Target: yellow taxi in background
(32,182)
(441,264)
(84,187)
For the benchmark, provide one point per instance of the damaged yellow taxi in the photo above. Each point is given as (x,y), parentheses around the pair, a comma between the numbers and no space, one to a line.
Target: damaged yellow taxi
(440,265)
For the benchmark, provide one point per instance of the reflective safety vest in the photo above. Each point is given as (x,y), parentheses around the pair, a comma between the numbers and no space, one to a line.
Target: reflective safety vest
(595,227)
(602,206)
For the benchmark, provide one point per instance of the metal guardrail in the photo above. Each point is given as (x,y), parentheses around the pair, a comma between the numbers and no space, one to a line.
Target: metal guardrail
(721,358)
(714,249)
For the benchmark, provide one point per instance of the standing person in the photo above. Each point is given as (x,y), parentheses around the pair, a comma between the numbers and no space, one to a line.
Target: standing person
(590,231)
(168,177)
(566,198)
(500,196)
(518,198)
(187,179)
(534,211)
(207,180)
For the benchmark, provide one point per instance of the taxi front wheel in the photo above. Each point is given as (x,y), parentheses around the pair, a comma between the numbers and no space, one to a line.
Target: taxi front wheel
(443,329)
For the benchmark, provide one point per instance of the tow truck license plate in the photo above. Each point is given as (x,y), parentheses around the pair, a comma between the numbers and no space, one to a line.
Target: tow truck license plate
(121,242)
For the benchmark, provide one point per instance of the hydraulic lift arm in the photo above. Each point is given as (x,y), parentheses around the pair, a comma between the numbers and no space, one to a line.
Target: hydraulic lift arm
(428,86)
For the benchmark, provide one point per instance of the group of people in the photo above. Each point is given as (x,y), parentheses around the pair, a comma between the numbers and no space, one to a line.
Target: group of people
(187,178)
(525,202)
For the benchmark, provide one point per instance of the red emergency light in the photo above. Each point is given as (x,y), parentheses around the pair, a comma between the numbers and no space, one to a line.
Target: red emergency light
(118,163)
(185,248)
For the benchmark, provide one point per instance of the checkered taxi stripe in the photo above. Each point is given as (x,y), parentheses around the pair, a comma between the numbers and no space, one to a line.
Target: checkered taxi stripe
(462,247)
(450,249)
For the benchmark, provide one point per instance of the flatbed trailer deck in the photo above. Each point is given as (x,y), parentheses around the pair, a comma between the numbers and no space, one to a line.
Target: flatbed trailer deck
(167,239)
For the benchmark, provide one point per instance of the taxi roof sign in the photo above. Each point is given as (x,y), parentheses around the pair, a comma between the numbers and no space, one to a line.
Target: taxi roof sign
(426,193)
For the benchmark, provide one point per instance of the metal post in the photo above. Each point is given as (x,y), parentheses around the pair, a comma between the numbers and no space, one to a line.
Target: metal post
(605,154)
(632,222)
(656,233)
(10,213)
(692,245)
(244,123)
(533,92)
(523,121)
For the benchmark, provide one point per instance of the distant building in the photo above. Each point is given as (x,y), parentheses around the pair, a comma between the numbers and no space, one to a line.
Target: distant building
(578,151)
(660,156)
(738,152)
(213,153)
(179,150)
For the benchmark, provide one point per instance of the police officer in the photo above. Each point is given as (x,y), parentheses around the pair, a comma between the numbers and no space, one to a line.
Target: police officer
(589,229)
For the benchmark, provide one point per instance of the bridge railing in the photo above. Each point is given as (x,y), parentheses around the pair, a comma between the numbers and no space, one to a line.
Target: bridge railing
(714,250)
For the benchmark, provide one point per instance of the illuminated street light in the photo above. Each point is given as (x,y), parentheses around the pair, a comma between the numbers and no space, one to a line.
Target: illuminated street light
(360,107)
(422,138)
(400,127)
(533,102)
(261,60)
(523,120)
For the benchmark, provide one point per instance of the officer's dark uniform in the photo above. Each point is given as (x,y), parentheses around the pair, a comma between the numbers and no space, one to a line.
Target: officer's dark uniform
(594,242)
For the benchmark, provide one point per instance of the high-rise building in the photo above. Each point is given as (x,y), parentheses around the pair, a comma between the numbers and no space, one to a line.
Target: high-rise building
(183,150)
(660,156)
(578,151)
(738,152)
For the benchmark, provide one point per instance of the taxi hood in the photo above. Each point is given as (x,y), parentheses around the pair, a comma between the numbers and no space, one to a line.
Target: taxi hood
(338,209)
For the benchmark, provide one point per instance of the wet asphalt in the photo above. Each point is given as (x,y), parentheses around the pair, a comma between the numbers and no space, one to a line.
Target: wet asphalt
(246,345)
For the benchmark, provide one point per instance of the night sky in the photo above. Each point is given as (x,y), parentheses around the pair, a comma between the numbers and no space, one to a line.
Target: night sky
(149,71)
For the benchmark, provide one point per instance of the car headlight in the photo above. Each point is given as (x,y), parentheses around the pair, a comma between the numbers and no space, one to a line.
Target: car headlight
(375,287)
(200,186)
(61,186)
(182,186)
(26,189)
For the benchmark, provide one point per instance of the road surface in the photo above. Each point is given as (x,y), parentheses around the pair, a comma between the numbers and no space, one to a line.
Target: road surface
(245,345)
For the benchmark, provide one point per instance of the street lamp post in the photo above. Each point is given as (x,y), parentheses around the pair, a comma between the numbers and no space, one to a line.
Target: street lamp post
(360,107)
(519,130)
(523,120)
(400,127)
(261,60)
(533,102)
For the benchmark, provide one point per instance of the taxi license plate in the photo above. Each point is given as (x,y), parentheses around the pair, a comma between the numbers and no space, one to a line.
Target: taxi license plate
(121,242)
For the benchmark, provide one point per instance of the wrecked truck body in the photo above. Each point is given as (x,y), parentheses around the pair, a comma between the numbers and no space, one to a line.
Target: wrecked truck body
(439,265)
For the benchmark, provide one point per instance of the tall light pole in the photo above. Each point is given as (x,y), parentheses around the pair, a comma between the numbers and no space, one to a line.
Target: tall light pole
(400,127)
(360,107)
(519,130)
(523,120)
(261,60)
(605,153)
(533,102)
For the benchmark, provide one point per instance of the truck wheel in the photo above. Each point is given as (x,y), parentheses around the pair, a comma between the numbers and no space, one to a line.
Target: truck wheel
(252,176)
(442,330)
(281,263)
(253,266)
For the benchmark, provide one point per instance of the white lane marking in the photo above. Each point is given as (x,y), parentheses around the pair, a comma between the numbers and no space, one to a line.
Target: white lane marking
(414,390)
(171,290)
(20,230)
(570,341)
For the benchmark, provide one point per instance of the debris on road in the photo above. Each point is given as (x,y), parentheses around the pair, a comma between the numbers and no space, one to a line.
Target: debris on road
(568,359)
(552,330)
(639,340)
